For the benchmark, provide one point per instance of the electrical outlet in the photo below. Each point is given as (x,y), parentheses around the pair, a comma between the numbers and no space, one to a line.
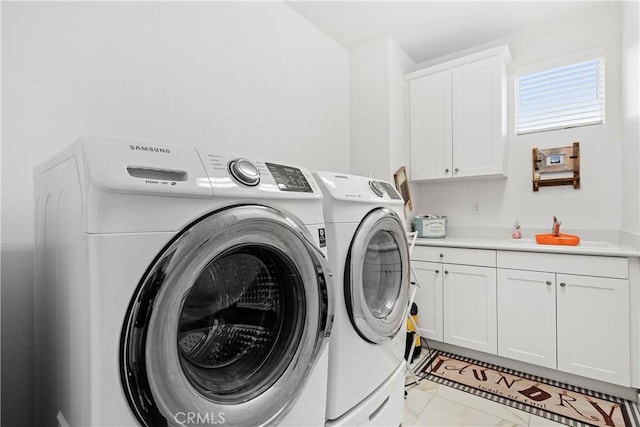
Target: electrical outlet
(475,207)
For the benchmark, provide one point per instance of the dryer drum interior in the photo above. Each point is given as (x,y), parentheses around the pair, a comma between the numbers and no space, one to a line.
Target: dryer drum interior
(382,274)
(229,319)
(376,285)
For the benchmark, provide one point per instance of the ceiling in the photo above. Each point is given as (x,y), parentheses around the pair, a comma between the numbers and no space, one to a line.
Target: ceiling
(429,29)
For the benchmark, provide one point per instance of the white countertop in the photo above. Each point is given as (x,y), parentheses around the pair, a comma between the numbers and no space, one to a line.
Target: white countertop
(586,247)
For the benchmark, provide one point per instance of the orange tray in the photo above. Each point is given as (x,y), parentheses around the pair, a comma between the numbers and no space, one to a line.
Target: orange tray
(562,239)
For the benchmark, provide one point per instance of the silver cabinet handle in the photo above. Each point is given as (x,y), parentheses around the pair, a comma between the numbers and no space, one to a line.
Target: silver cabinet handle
(456,170)
(548,283)
(563,284)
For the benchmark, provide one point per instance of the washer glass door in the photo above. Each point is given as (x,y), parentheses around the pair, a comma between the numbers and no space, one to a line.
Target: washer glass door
(376,277)
(228,322)
(242,316)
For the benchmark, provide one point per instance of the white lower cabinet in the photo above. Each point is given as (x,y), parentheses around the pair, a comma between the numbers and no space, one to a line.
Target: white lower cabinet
(469,296)
(457,299)
(576,323)
(429,299)
(593,327)
(527,316)
(565,312)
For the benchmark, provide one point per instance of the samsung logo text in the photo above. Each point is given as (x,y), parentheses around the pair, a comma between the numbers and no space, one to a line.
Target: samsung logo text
(149,149)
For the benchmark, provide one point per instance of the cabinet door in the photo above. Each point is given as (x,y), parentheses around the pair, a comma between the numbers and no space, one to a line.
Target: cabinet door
(431,126)
(429,298)
(479,119)
(593,327)
(470,307)
(527,316)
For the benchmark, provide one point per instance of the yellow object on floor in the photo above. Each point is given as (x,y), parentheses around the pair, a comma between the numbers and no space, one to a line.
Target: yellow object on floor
(410,328)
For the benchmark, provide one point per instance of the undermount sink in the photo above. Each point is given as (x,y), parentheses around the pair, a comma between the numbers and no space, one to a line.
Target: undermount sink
(582,244)
(522,241)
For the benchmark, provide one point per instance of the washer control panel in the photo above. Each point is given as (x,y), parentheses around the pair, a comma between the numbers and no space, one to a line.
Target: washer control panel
(244,172)
(289,178)
(127,166)
(257,178)
(138,167)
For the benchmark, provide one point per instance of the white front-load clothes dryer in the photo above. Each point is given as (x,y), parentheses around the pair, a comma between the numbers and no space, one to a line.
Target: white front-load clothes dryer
(178,287)
(368,254)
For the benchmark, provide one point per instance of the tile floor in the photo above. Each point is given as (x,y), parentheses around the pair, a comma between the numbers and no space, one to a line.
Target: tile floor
(431,404)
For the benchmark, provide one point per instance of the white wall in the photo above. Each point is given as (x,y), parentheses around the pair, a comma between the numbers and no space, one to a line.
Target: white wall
(369,76)
(597,205)
(379,145)
(399,148)
(630,119)
(251,78)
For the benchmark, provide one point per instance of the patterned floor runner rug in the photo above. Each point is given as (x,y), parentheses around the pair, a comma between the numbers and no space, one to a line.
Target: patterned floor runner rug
(556,401)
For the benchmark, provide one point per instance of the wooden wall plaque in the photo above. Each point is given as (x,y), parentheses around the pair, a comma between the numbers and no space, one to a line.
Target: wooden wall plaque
(554,161)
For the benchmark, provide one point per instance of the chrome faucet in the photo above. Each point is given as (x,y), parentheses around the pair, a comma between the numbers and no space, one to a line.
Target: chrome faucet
(555,229)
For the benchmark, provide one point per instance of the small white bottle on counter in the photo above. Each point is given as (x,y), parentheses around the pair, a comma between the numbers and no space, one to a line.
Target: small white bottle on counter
(516,233)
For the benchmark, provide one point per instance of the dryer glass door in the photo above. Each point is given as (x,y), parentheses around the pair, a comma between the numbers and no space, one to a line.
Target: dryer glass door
(376,277)
(228,322)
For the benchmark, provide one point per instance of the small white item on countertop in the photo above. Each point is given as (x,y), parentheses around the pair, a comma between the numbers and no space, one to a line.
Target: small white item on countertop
(430,225)
(516,233)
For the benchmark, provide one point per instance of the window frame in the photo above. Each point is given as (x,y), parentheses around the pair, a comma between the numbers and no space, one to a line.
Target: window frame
(583,56)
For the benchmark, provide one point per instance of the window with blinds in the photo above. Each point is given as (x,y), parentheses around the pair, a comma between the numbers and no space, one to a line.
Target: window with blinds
(559,98)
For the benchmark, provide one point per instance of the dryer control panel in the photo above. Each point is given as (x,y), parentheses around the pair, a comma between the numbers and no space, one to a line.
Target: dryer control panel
(358,188)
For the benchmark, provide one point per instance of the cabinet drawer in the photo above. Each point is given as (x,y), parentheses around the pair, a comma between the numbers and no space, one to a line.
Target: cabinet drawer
(586,265)
(481,257)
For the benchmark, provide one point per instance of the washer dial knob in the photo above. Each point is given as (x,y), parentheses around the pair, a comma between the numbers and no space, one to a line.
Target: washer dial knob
(245,172)
(376,188)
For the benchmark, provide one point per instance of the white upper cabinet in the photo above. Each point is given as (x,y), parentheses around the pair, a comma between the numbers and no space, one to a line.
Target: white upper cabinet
(458,117)
(431,126)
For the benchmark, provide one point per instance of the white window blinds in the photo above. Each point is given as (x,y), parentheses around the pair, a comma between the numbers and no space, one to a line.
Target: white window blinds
(562,97)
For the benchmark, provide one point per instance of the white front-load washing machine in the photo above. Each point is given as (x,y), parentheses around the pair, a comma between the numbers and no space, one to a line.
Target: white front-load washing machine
(369,256)
(178,287)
